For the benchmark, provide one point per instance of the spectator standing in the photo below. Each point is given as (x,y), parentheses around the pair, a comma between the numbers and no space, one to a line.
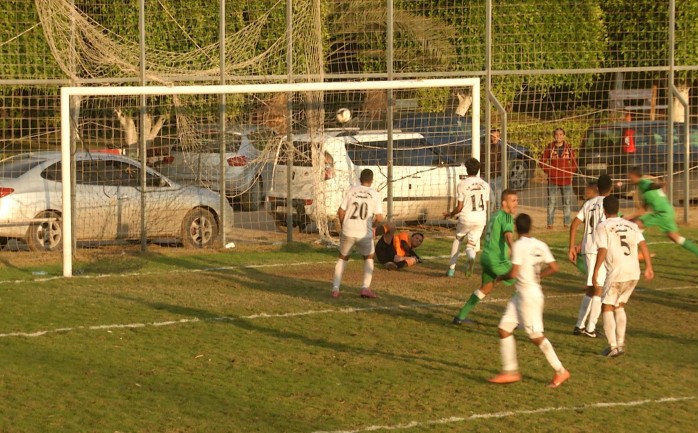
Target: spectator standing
(560,164)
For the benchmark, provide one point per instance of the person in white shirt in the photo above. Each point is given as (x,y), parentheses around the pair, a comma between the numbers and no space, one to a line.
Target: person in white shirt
(617,241)
(591,214)
(528,256)
(360,210)
(471,209)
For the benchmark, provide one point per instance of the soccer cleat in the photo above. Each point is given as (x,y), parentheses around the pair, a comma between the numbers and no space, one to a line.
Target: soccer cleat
(391,266)
(457,321)
(578,331)
(367,293)
(505,378)
(611,352)
(469,268)
(559,379)
(335,293)
(451,273)
(590,334)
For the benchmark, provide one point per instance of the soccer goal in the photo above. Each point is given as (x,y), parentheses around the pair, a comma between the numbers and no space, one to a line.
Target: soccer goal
(188,167)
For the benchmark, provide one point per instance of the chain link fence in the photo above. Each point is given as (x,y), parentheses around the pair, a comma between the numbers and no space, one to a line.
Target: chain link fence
(616,77)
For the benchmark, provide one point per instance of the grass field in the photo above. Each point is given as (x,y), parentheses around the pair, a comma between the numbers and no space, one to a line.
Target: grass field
(249,340)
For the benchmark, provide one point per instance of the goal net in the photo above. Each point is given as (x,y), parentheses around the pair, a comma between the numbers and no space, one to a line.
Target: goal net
(265,157)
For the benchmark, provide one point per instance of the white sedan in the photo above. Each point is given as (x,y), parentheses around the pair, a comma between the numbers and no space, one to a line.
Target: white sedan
(107,202)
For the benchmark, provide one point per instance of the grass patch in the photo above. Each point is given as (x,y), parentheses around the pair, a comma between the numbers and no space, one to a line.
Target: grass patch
(244,359)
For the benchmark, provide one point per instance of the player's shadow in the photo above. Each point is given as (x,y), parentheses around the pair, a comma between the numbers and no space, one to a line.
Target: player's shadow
(669,299)
(248,324)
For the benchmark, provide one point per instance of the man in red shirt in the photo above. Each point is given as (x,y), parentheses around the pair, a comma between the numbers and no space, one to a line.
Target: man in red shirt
(628,145)
(560,164)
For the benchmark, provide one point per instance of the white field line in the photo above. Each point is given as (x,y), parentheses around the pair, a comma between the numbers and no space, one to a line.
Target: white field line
(507,414)
(347,310)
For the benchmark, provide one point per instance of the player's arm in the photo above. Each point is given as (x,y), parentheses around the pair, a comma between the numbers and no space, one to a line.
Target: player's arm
(378,219)
(649,271)
(514,271)
(572,253)
(509,237)
(456,211)
(341,213)
(600,258)
(550,269)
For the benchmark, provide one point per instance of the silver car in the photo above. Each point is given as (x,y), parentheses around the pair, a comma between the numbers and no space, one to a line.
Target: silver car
(107,202)
(246,174)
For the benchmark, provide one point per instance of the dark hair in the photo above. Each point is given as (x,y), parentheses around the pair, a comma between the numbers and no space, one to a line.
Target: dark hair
(507,192)
(559,129)
(637,171)
(605,184)
(366,175)
(417,233)
(592,184)
(523,224)
(472,166)
(611,205)
(493,130)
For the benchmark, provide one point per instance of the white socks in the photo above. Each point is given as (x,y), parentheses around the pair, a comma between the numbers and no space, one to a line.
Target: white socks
(338,272)
(551,356)
(609,326)
(508,349)
(455,252)
(621,323)
(470,252)
(368,273)
(583,311)
(594,313)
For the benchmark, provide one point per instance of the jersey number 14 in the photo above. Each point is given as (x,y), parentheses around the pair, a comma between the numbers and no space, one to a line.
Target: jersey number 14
(475,204)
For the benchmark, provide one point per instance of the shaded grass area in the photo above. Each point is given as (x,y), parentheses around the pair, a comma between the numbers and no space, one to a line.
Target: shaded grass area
(334,368)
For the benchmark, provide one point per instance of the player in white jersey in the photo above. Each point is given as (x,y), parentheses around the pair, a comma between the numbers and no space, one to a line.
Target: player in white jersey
(591,214)
(528,256)
(473,202)
(617,241)
(360,210)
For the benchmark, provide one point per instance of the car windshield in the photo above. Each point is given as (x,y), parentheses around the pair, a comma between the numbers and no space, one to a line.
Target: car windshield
(16,166)
(406,152)
(602,138)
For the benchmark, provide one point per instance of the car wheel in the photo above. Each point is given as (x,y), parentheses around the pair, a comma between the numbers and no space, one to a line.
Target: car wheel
(46,236)
(251,199)
(199,229)
(519,174)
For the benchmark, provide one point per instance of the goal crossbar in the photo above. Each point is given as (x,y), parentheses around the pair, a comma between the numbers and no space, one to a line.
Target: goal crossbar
(68,92)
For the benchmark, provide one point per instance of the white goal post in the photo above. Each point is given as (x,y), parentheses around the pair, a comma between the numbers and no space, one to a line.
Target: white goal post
(68,92)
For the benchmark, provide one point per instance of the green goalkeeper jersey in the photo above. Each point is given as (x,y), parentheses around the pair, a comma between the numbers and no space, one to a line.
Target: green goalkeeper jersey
(654,198)
(496,247)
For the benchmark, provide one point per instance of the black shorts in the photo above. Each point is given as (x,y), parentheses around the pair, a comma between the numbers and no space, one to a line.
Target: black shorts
(384,252)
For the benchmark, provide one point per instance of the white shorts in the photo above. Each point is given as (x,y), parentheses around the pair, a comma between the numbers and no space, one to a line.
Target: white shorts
(590,260)
(364,246)
(472,232)
(618,293)
(527,311)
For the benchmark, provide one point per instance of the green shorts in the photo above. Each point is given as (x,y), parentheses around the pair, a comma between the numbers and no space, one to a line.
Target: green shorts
(664,220)
(491,271)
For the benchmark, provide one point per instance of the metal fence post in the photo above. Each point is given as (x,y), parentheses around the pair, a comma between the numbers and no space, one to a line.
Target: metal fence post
(142,147)
(222,126)
(289,114)
(670,105)
(389,55)
(488,92)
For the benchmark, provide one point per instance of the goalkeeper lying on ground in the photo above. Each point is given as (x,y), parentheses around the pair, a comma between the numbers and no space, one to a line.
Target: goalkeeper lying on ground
(395,249)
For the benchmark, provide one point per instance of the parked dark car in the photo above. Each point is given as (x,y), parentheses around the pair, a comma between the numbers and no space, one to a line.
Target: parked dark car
(601,152)
(453,134)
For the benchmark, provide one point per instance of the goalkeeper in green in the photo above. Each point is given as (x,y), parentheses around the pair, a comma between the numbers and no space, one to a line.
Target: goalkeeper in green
(658,210)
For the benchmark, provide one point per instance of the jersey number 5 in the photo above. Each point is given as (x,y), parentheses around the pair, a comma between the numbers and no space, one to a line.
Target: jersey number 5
(359,211)
(475,205)
(624,244)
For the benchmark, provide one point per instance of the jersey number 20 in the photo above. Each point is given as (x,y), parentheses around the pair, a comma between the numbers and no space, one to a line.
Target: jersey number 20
(359,211)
